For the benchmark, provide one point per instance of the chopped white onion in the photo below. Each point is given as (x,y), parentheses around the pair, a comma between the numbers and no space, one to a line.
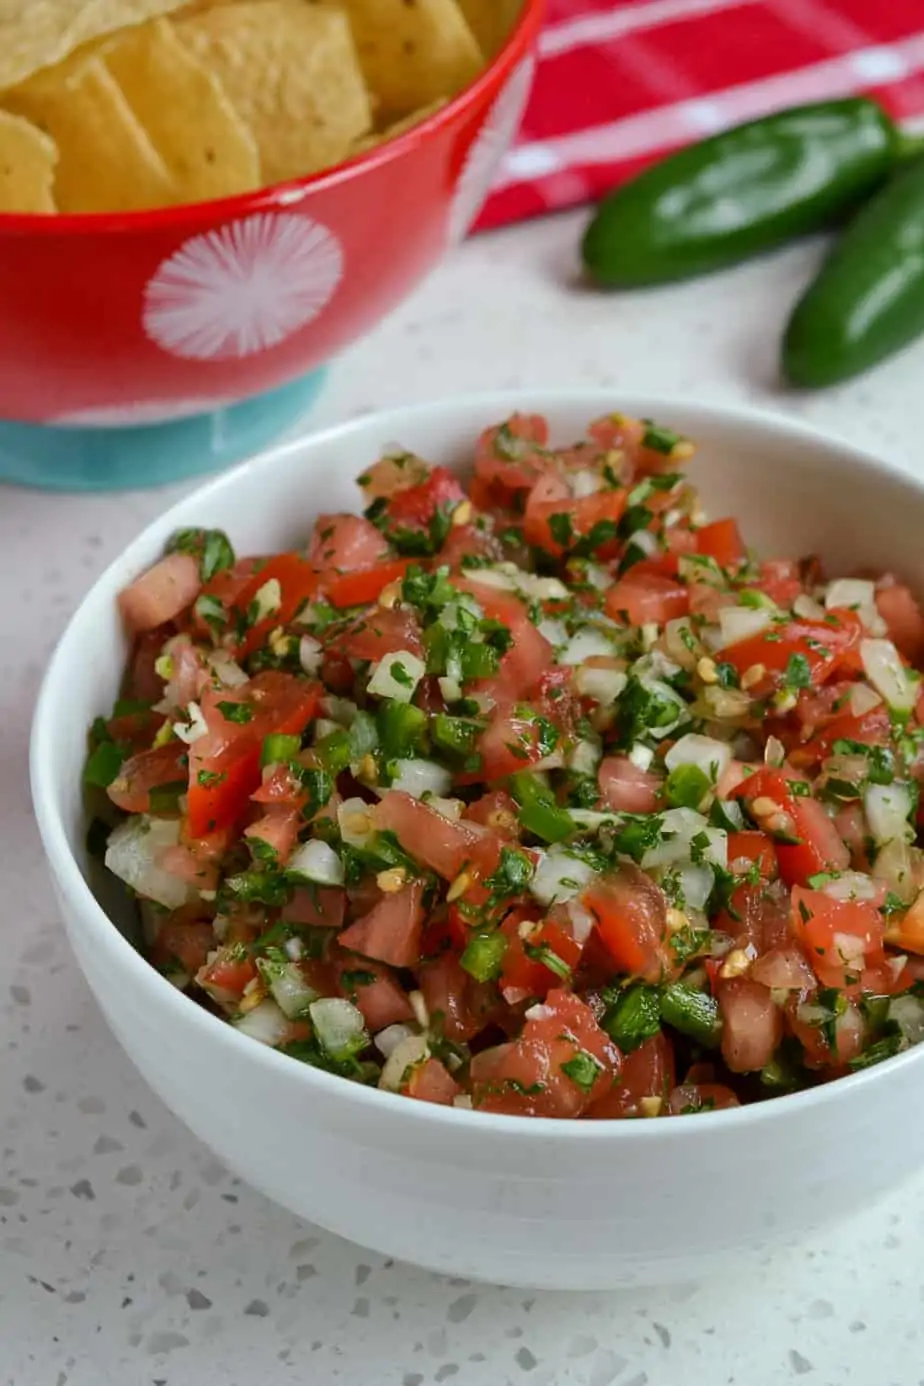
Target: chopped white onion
(397,676)
(888,809)
(908,1013)
(582,921)
(856,594)
(646,541)
(323,727)
(603,685)
(587,643)
(667,696)
(585,757)
(266,1023)
(420,777)
(310,654)
(267,600)
(556,632)
(863,699)
(356,821)
(641,756)
(678,637)
(679,827)
(883,667)
(338,1024)
(894,865)
(585,483)
(559,876)
(228,672)
(449,808)
(410,1052)
(851,885)
(133,854)
(741,622)
(289,989)
(592,819)
(450,689)
(195,726)
(711,756)
(696,883)
(387,1040)
(508,577)
(316,861)
(808,608)
(340,710)
(654,667)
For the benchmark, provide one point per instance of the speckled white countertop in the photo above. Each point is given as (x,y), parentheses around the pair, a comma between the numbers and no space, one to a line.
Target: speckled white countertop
(127,1254)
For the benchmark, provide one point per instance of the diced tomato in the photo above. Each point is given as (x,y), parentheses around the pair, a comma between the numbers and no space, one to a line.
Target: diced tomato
(530,655)
(823,646)
(513,454)
(509,743)
(722,541)
(752,1024)
(848,1032)
(902,614)
(429,837)
(237,591)
(631,916)
(459,1006)
(784,969)
(277,830)
(870,729)
(906,932)
(147,771)
(469,541)
(643,598)
(224,766)
(558,1067)
(226,975)
(618,431)
(840,937)
(602,507)
(431,1081)
(807,841)
(187,942)
(316,907)
(496,810)
(144,682)
(362,586)
(625,788)
(689,1098)
(374,989)
(391,931)
(648,1072)
(751,850)
(346,542)
(160,594)
(780,580)
(415,506)
(383,631)
(540,955)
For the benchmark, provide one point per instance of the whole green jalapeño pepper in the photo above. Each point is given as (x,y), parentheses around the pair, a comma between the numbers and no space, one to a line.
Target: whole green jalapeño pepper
(741,192)
(868,299)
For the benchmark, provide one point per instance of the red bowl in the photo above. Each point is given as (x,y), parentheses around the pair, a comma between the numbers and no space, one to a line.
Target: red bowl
(141,317)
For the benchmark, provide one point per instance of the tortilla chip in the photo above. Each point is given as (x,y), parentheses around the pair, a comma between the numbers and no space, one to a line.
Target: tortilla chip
(27,166)
(292,73)
(491,21)
(393,131)
(107,162)
(412,52)
(35,34)
(189,119)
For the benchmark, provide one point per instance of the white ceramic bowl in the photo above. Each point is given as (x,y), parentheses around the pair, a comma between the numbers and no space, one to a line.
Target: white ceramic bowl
(532,1203)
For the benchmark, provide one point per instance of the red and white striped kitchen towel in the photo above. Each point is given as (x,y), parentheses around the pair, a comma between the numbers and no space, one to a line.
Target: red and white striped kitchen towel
(622,82)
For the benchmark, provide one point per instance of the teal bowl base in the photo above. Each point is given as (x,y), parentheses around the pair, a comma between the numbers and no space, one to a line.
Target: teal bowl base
(122,459)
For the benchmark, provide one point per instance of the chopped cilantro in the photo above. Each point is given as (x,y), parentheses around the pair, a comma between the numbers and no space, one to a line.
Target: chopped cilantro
(583,1070)
(236,712)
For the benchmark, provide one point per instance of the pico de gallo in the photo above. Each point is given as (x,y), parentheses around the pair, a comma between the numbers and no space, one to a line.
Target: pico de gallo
(542,797)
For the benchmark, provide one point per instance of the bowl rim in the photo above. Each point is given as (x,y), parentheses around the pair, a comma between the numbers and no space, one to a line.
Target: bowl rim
(278,196)
(147,980)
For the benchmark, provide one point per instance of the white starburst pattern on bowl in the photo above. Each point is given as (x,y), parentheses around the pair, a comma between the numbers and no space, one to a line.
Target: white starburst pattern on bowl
(244,288)
(137,414)
(488,149)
